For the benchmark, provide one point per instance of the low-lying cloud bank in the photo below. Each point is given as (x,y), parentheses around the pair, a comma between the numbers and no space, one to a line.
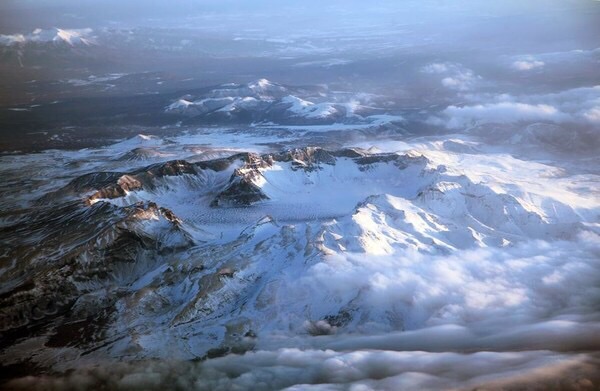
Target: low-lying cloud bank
(489,290)
(502,112)
(294,369)
(578,106)
(500,318)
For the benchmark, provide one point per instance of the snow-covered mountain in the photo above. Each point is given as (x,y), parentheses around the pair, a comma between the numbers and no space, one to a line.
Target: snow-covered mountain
(46,48)
(263,101)
(174,248)
(57,36)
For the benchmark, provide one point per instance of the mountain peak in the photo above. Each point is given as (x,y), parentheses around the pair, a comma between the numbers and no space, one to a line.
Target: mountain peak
(71,37)
(264,85)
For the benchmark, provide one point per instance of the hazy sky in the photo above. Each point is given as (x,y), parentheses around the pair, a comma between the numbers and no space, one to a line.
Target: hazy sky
(24,15)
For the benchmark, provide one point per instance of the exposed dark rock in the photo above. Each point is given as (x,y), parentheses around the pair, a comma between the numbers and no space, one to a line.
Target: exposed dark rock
(84,248)
(240,192)
(143,179)
(226,272)
(320,327)
(170,168)
(217,352)
(306,158)
(222,163)
(83,332)
(138,154)
(81,185)
(401,161)
(340,319)
(92,181)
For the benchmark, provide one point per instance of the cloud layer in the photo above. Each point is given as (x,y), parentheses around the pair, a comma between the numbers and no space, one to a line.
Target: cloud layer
(295,369)
(527,65)
(579,105)
(453,76)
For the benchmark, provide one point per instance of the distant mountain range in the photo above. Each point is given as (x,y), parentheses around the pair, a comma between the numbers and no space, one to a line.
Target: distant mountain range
(265,102)
(55,36)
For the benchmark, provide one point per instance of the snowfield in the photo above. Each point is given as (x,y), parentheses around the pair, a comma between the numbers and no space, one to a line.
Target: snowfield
(394,265)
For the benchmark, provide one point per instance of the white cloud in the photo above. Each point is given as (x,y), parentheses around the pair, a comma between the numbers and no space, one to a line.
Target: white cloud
(578,105)
(593,114)
(436,68)
(456,77)
(571,57)
(502,112)
(314,369)
(454,83)
(527,65)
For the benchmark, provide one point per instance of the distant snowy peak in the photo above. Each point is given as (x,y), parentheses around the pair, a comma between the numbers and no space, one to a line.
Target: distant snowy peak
(70,37)
(264,86)
(229,99)
(179,105)
(304,108)
(263,101)
(260,89)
